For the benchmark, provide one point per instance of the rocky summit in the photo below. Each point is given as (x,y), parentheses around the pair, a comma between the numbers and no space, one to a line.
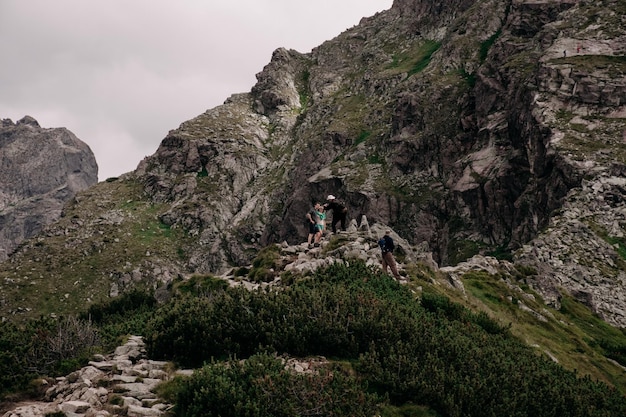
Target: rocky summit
(40,170)
(473,128)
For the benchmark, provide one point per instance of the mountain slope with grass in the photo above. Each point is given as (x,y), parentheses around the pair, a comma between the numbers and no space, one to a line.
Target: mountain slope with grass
(474,127)
(488,135)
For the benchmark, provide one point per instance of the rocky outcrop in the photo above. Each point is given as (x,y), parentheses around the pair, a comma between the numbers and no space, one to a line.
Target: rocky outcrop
(359,242)
(40,170)
(120,384)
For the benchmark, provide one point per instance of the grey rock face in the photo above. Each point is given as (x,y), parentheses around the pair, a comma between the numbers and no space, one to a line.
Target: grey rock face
(40,170)
(461,124)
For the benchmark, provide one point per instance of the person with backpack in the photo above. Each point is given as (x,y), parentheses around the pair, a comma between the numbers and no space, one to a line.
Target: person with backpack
(340,212)
(387,246)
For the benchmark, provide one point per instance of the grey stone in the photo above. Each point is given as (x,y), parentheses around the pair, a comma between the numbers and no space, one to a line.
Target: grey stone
(40,171)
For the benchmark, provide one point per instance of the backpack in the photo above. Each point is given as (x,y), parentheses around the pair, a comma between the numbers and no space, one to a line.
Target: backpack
(383,244)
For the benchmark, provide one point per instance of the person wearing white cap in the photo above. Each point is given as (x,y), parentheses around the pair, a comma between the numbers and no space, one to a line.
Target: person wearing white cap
(340,212)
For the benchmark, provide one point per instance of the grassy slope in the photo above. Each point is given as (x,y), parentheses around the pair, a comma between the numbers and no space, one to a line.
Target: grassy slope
(573,336)
(112,231)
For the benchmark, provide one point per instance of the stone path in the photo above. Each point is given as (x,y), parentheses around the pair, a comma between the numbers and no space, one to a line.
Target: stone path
(120,384)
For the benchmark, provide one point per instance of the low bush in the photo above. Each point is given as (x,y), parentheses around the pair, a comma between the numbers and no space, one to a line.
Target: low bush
(435,352)
(262,386)
(43,347)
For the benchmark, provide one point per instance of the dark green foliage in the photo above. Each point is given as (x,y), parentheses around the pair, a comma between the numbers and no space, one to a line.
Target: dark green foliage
(362,137)
(610,341)
(121,316)
(428,50)
(501,253)
(45,346)
(469,78)
(332,314)
(261,386)
(264,265)
(435,352)
(13,348)
(615,350)
(443,307)
(200,285)
(123,305)
(486,45)
(203,173)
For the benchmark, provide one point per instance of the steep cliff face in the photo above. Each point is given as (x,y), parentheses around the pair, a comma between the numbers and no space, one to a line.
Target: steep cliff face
(420,117)
(464,124)
(40,170)
(469,126)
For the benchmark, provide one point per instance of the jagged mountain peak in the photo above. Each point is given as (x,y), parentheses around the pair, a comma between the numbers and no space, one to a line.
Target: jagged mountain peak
(40,170)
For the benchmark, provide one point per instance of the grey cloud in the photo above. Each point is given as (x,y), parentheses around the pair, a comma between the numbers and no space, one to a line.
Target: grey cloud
(121,74)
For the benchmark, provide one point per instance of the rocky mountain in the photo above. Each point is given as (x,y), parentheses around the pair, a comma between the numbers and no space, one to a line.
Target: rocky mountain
(471,127)
(40,170)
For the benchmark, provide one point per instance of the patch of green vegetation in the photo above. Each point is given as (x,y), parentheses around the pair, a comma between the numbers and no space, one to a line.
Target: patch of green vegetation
(415,59)
(579,127)
(350,114)
(335,242)
(362,137)
(198,285)
(460,250)
(501,253)
(491,291)
(564,115)
(265,265)
(304,92)
(522,63)
(486,45)
(117,236)
(598,334)
(470,79)
(203,172)
(375,159)
(618,243)
(583,148)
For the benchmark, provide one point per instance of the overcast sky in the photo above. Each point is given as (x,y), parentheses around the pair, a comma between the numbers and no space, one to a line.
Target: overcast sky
(121,73)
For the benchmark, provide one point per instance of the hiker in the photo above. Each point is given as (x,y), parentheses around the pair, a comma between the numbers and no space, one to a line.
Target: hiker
(387,246)
(315,218)
(340,211)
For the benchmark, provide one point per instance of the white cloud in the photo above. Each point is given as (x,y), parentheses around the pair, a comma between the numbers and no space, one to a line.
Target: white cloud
(121,74)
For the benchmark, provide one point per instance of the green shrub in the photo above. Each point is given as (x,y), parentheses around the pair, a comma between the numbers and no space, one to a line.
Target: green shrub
(123,305)
(121,316)
(199,285)
(435,353)
(42,347)
(335,313)
(261,386)
(264,266)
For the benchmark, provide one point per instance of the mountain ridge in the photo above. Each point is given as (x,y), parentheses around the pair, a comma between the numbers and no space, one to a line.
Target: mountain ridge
(462,125)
